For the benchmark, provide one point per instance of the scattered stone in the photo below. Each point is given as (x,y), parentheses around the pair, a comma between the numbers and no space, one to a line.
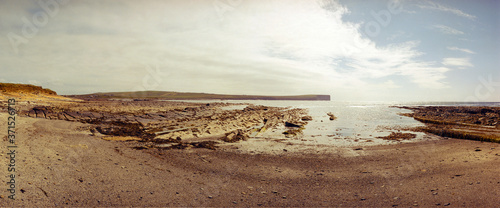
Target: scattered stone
(307,118)
(332,117)
(398,136)
(235,136)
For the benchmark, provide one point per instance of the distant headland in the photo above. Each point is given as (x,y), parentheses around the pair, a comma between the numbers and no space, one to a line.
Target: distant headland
(168,95)
(21,90)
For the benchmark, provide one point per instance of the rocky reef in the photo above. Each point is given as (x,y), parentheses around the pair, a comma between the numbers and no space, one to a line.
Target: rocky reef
(461,122)
(165,124)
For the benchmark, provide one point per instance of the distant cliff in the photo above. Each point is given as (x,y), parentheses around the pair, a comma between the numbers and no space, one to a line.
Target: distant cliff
(167,95)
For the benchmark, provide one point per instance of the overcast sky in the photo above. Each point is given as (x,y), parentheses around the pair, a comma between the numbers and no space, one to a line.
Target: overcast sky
(353,50)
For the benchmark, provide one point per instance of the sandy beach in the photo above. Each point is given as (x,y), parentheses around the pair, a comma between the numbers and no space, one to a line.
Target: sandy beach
(65,162)
(230,103)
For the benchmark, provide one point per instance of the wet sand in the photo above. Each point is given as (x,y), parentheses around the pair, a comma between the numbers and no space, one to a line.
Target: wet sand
(62,163)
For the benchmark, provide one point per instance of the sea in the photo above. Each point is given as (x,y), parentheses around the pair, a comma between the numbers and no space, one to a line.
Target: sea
(356,123)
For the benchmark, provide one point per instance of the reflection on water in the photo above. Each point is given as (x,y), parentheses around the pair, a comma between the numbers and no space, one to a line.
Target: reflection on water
(356,124)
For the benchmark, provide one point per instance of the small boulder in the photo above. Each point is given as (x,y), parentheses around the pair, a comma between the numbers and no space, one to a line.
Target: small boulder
(307,118)
(235,136)
(332,117)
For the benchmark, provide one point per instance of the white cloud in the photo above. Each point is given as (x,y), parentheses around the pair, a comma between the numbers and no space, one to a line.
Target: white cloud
(448,30)
(440,7)
(389,84)
(461,63)
(461,49)
(284,48)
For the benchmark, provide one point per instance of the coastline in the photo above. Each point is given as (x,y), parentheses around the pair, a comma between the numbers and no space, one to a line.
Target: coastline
(62,162)
(74,168)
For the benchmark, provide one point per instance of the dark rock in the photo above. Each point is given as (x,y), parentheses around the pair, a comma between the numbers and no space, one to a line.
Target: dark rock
(307,118)
(332,117)
(288,124)
(235,136)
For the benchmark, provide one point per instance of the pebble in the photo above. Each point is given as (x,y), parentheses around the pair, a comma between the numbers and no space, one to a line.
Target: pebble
(210,197)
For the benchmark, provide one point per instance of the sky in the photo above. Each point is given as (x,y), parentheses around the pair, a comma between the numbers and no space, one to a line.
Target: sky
(394,50)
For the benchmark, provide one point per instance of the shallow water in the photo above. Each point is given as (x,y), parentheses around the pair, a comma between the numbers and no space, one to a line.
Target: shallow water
(357,123)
